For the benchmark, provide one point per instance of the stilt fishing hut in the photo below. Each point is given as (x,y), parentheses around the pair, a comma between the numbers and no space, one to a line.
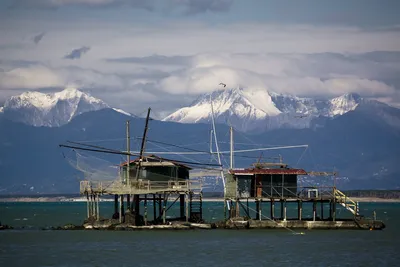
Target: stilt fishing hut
(148,179)
(278,184)
(156,181)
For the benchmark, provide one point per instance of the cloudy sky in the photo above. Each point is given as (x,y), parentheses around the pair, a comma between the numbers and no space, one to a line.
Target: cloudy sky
(163,53)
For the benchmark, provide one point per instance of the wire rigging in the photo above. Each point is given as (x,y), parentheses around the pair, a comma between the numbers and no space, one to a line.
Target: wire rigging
(185,157)
(173,145)
(116,152)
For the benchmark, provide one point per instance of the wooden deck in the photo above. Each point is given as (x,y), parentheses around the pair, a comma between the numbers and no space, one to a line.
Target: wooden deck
(138,187)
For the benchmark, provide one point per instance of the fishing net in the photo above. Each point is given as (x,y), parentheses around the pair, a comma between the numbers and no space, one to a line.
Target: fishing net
(94,168)
(98,169)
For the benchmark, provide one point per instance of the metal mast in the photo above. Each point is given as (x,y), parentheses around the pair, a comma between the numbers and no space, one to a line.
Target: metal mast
(211,141)
(216,145)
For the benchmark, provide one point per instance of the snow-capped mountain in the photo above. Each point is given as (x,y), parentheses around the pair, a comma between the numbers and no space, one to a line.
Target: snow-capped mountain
(260,110)
(313,107)
(343,104)
(51,110)
(245,110)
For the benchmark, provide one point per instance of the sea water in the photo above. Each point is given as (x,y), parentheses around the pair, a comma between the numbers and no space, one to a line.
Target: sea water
(29,245)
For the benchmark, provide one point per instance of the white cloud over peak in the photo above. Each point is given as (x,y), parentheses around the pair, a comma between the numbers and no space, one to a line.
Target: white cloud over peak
(132,66)
(30,77)
(136,81)
(202,80)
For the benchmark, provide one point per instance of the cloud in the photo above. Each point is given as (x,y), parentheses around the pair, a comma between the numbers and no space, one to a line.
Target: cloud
(174,62)
(154,60)
(324,74)
(143,84)
(191,7)
(206,79)
(192,38)
(51,4)
(77,53)
(36,39)
(120,39)
(188,7)
(31,77)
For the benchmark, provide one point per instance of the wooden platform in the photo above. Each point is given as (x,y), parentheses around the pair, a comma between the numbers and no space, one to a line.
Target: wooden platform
(139,187)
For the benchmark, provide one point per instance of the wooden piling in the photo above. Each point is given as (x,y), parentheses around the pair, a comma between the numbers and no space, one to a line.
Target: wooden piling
(121,208)
(164,217)
(182,205)
(136,199)
(314,210)
(300,209)
(115,204)
(98,208)
(258,215)
(334,210)
(145,209)
(247,206)
(272,209)
(187,206)
(232,209)
(132,207)
(159,205)
(322,210)
(87,205)
(128,202)
(154,207)
(284,210)
(92,206)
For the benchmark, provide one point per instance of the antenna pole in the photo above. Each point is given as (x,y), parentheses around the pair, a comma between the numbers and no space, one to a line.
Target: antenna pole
(128,150)
(334,178)
(216,145)
(231,143)
(211,141)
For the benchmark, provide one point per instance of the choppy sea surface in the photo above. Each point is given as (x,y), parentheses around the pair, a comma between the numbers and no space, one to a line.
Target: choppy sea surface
(29,245)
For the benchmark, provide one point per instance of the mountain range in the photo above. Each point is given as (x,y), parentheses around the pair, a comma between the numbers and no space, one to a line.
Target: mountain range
(259,110)
(252,111)
(51,110)
(359,138)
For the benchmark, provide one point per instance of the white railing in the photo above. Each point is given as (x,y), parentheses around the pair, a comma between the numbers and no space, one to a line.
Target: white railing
(346,202)
(301,192)
(138,186)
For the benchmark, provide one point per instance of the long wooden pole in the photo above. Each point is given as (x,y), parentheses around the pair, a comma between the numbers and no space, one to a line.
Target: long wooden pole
(128,150)
(146,126)
(231,146)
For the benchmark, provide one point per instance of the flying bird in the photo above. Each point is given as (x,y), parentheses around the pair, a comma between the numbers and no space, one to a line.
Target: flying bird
(224,85)
(300,116)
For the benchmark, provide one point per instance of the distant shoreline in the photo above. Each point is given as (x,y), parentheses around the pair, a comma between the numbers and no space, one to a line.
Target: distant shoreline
(82,199)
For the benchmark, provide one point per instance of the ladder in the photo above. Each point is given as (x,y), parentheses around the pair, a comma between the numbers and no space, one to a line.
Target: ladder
(196,206)
(346,202)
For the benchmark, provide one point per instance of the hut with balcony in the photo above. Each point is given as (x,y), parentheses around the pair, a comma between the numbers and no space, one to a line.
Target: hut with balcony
(145,180)
(277,183)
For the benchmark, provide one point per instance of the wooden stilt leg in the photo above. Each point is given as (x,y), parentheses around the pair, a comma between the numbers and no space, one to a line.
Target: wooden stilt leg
(272,209)
(145,209)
